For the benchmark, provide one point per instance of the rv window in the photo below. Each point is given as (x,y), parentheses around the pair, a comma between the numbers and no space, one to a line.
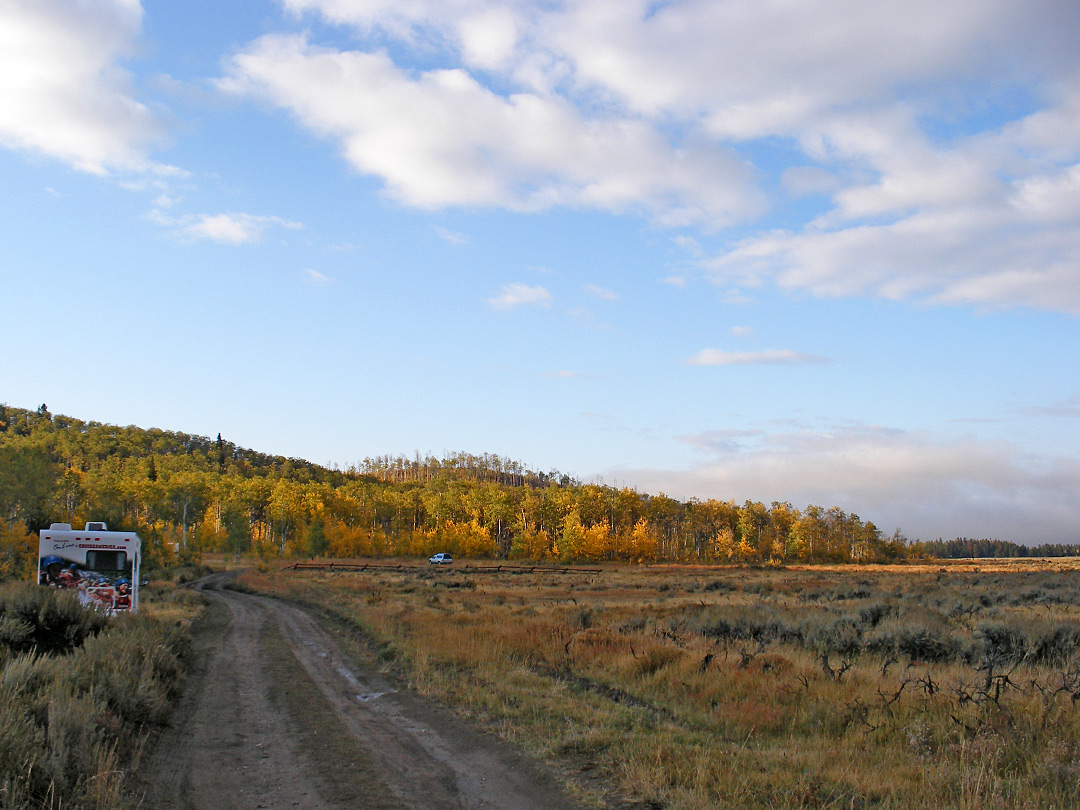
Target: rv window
(106,560)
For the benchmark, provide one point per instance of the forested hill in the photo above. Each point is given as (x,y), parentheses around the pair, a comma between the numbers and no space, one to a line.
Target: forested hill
(186,494)
(965,547)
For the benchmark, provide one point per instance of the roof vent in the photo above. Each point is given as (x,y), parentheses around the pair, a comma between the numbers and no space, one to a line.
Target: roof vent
(61,527)
(96,527)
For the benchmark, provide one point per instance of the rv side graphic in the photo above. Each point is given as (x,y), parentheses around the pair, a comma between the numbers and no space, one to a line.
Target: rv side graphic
(101,566)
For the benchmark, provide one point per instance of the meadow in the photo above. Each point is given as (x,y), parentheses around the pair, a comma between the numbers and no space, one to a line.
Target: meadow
(946,685)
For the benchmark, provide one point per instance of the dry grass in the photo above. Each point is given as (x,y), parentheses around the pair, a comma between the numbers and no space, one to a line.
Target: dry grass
(78,692)
(944,685)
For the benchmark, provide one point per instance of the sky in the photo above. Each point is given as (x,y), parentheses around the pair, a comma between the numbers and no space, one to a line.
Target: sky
(824,252)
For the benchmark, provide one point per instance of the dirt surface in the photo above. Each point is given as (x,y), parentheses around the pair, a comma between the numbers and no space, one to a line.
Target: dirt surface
(276,715)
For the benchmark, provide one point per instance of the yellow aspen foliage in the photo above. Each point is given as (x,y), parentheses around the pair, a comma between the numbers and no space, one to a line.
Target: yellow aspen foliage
(211,530)
(347,541)
(745,551)
(598,542)
(569,546)
(644,542)
(417,543)
(18,551)
(723,545)
(779,550)
(475,540)
(530,544)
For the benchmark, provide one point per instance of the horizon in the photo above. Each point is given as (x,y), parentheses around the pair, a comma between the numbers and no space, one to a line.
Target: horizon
(820,254)
(368,467)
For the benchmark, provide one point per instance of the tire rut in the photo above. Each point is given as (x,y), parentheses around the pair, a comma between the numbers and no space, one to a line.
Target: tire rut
(277,715)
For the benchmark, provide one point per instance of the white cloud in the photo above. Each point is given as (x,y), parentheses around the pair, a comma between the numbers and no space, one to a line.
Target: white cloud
(62,92)
(929,487)
(442,138)
(689,244)
(488,37)
(451,237)
(802,181)
(979,255)
(742,331)
(780,357)
(946,137)
(602,293)
(518,294)
(233,229)
(315,276)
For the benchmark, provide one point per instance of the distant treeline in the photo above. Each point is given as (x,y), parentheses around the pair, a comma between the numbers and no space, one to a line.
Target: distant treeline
(963,547)
(186,494)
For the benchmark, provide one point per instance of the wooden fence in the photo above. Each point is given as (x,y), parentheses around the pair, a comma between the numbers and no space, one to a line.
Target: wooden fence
(457,569)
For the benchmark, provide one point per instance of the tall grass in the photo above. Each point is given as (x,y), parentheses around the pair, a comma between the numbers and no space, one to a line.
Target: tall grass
(692,688)
(77,692)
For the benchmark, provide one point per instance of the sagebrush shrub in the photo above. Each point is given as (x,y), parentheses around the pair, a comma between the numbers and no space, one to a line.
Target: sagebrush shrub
(46,620)
(77,691)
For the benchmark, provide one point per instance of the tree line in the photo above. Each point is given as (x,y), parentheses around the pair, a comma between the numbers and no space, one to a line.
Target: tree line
(186,494)
(966,547)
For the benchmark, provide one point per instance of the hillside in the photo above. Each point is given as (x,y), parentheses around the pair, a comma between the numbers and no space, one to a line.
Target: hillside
(185,494)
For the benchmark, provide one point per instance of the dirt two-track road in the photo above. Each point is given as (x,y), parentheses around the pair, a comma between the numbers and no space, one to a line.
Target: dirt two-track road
(277,715)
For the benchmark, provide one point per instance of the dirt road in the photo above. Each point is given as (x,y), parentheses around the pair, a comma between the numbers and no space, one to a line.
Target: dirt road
(278,716)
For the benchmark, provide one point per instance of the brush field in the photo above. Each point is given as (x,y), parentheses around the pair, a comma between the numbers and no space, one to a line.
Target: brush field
(80,692)
(948,685)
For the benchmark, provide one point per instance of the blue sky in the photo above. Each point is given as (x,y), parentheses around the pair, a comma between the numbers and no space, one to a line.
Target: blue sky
(824,252)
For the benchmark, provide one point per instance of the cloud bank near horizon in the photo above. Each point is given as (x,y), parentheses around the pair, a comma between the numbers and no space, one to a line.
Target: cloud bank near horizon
(926,487)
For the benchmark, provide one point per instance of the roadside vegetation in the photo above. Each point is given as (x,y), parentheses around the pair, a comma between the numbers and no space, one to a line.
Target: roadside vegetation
(950,686)
(80,691)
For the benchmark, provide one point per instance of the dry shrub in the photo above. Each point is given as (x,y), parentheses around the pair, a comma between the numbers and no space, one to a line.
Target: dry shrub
(67,720)
(46,620)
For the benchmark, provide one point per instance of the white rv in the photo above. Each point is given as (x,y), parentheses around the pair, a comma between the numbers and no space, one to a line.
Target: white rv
(102,566)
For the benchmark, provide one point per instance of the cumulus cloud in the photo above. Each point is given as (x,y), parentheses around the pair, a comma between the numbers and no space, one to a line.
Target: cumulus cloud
(441,138)
(929,487)
(940,144)
(802,181)
(771,357)
(62,90)
(984,222)
(517,294)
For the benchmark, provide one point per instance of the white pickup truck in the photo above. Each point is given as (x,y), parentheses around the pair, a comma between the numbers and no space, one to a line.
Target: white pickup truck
(442,558)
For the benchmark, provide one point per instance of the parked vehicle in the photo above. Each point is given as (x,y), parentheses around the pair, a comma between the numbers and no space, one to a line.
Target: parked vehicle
(442,558)
(102,567)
